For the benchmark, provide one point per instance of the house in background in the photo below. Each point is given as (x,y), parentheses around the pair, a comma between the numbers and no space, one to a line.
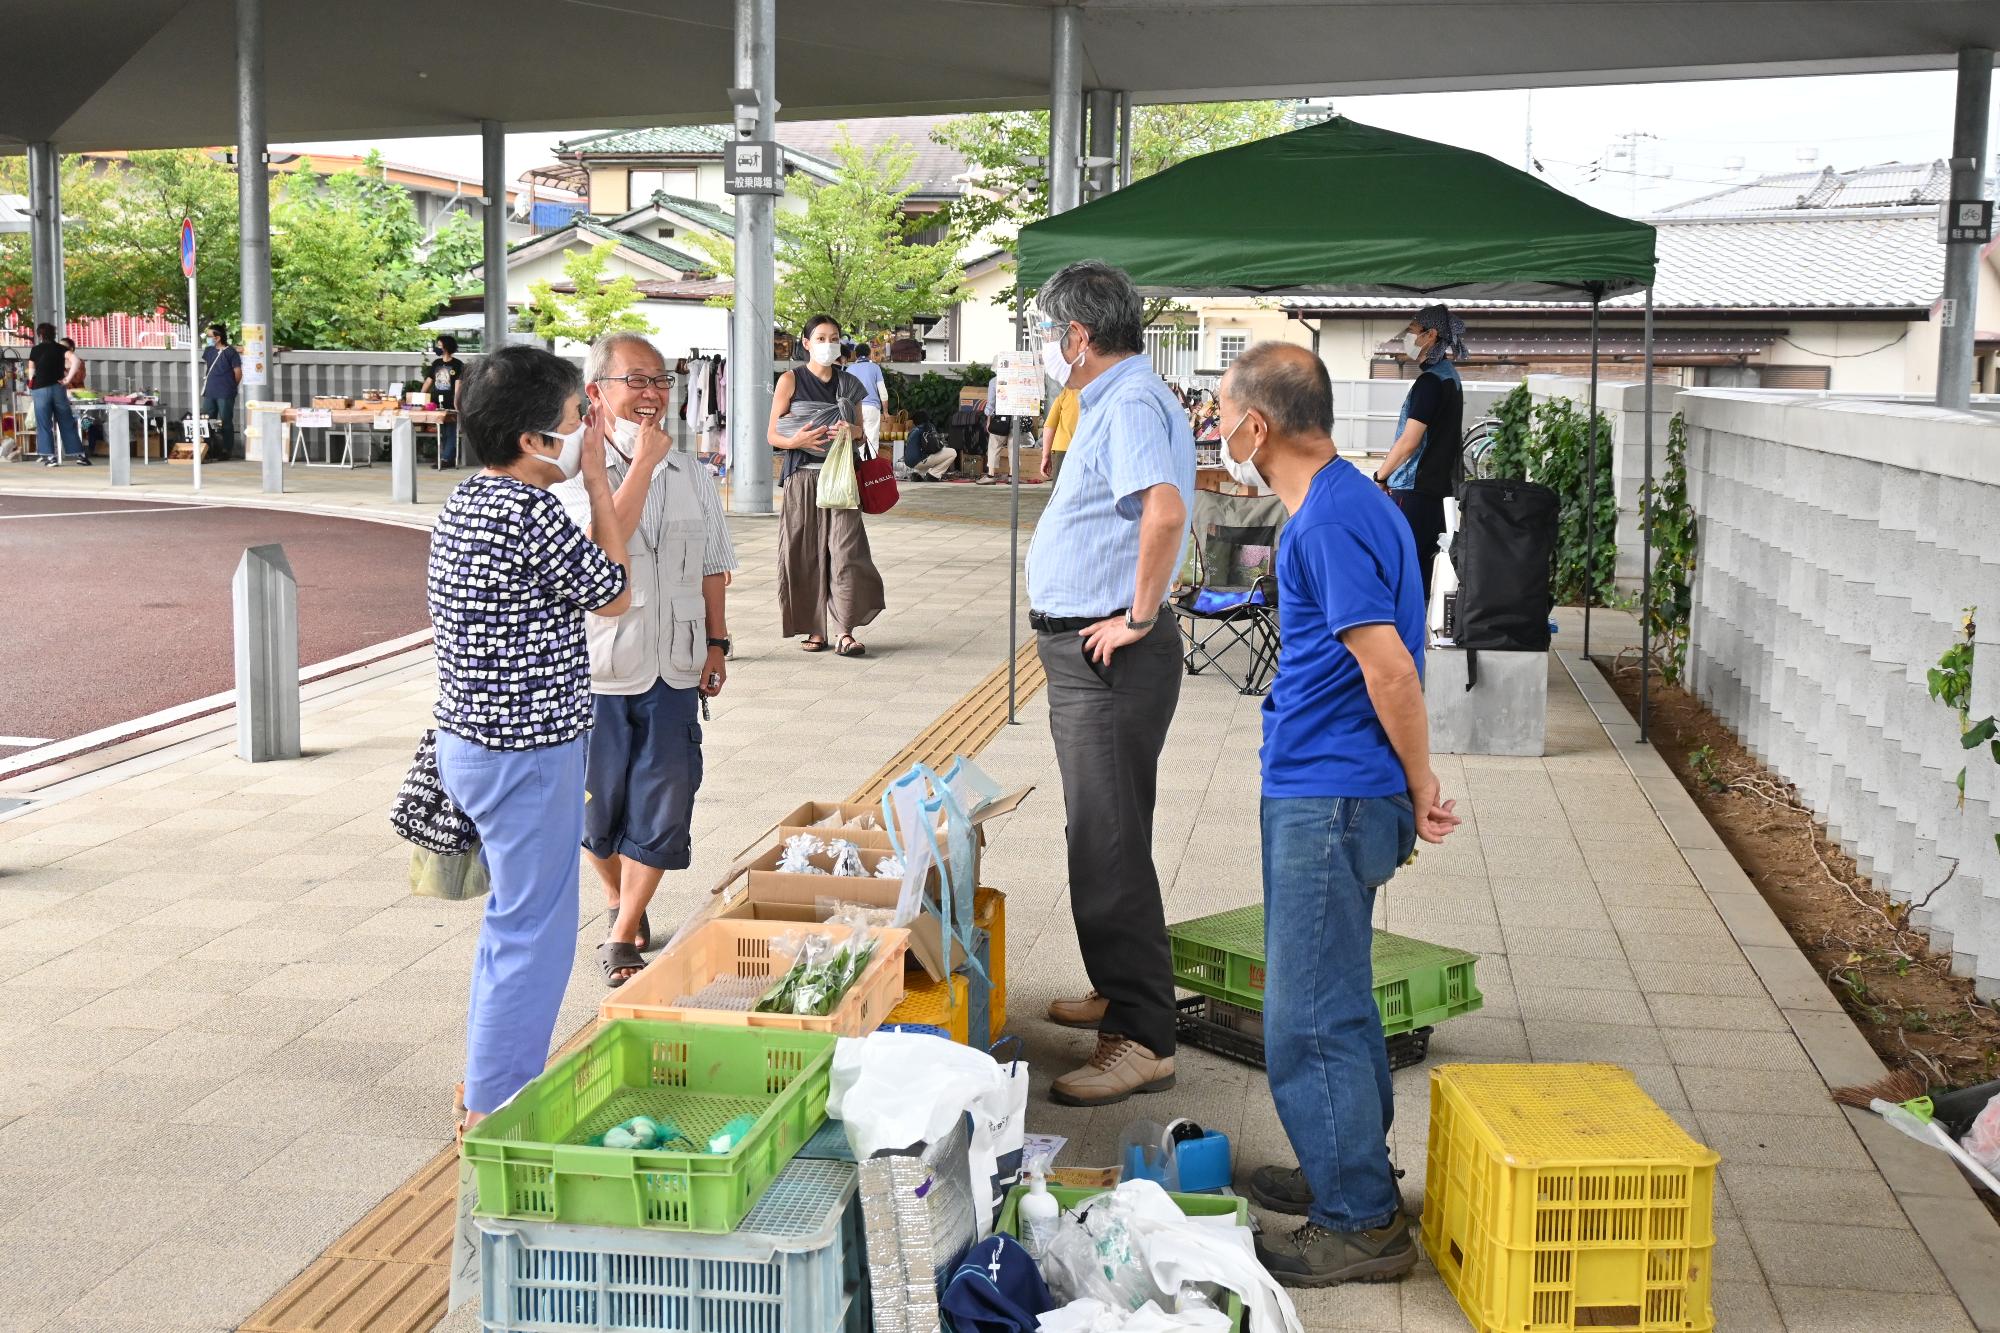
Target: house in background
(1803,280)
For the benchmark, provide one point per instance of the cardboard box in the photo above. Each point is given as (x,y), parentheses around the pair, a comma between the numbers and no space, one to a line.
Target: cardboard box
(806,817)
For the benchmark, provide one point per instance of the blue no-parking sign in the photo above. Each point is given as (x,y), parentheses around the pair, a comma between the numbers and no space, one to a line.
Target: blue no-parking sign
(187,246)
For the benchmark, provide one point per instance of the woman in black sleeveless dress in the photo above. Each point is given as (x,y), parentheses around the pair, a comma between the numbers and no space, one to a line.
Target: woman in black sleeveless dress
(825,570)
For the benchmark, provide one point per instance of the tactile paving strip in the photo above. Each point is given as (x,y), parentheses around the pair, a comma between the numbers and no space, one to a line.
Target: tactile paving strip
(391,1273)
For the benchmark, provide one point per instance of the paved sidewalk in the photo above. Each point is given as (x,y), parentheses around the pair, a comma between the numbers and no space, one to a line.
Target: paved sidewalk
(216,989)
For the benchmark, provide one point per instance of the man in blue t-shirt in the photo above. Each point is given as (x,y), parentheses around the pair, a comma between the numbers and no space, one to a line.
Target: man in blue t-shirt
(1348,789)
(869,375)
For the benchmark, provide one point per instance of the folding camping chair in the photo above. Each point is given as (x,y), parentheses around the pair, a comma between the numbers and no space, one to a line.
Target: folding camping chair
(1228,597)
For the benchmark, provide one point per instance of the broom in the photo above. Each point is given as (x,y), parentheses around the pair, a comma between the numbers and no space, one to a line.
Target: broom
(1903,1099)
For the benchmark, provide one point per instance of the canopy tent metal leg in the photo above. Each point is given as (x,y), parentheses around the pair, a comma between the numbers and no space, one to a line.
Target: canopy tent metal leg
(755,312)
(1590,480)
(493,170)
(1646,544)
(1961,258)
(1124,140)
(45,239)
(1065,110)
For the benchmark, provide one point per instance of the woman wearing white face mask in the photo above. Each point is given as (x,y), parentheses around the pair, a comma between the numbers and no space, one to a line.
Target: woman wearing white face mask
(510,579)
(1422,468)
(825,570)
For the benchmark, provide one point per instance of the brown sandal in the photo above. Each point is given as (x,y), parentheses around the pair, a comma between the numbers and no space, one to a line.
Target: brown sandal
(813,645)
(851,647)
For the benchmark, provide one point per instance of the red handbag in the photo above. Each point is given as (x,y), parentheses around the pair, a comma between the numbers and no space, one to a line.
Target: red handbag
(877,477)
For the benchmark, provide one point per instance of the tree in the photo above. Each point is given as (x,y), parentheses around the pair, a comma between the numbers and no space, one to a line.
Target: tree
(1007,150)
(343,271)
(598,308)
(848,254)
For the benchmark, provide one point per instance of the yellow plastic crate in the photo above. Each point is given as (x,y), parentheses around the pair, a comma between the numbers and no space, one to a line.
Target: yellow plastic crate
(1559,1197)
(924,1002)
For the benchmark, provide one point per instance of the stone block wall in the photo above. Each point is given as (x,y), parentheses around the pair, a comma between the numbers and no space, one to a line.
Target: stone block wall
(1840,543)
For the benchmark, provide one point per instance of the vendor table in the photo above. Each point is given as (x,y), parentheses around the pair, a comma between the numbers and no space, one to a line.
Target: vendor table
(398,424)
(117,421)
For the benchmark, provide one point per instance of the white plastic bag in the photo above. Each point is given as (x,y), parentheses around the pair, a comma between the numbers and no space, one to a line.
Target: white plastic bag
(1087,1316)
(1179,1249)
(1983,1139)
(892,1090)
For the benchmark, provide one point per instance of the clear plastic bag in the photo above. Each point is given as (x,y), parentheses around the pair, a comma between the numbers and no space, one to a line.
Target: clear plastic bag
(1983,1139)
(800,848)
(846,858)
(1095,1255)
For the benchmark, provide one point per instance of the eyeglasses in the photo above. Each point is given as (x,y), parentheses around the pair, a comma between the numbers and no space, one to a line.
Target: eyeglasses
(638,382)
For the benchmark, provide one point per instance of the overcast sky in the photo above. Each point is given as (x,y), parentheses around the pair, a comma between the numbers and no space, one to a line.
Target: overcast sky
(1704,135)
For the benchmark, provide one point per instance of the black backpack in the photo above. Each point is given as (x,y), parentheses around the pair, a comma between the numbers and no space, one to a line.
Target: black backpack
(1504,555)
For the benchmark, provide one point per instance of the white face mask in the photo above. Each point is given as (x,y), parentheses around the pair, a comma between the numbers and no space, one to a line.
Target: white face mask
(824,354)
(1243,471)
(1054,364)
(570,461)
(1412,348)
(624,434)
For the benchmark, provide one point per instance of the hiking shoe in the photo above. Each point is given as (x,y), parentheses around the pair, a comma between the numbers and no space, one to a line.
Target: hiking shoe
(1281,1189)
(1085,1013)
(1313,1256)
(1117,1069)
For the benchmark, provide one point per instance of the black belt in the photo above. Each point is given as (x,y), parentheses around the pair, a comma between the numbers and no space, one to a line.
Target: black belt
(1042,624)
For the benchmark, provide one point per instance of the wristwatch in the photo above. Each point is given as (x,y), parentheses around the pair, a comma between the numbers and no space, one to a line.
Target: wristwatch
(1147,623)
(722,643)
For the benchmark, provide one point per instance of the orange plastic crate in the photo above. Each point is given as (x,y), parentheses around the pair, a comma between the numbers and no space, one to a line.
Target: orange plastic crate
(1559,1197)
(745,951)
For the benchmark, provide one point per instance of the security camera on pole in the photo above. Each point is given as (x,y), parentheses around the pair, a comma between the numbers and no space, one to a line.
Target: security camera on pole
(194,349)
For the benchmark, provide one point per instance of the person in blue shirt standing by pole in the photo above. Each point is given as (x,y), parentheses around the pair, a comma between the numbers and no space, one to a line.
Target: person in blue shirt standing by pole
(1422,469)
(1347,791)
(224,368)
(869,376)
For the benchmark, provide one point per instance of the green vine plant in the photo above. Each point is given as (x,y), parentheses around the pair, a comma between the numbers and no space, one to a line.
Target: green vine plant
(1546,443)
(1951,685)
(1665,502)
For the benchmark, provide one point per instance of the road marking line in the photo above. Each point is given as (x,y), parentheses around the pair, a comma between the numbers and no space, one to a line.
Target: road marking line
(85,513)
(18,741)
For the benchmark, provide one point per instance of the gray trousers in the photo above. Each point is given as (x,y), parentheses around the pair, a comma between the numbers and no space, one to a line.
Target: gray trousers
(1110,724)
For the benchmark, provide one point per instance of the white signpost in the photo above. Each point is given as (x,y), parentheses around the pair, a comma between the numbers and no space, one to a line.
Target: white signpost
(194,348)
(1017,393)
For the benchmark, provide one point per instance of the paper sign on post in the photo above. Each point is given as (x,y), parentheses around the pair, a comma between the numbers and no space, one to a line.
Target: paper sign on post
(315,416)
(387,421)
(256,353)
(1017,386)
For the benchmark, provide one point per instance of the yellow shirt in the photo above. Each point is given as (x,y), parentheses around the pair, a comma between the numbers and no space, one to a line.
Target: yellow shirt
(1063,413)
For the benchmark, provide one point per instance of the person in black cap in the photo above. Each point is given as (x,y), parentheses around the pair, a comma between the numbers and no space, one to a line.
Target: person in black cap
(1422,468)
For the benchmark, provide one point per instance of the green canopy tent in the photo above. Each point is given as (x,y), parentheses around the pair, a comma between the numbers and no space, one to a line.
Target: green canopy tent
(1342,208)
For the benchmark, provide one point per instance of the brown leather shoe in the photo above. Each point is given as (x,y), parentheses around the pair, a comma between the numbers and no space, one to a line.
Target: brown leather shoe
(1117,1069)
(1085,1013)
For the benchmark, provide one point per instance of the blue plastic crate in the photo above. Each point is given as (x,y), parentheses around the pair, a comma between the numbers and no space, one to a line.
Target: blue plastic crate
(795,1265)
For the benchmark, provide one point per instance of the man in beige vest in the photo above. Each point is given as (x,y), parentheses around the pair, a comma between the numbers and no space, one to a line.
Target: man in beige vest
(649,666)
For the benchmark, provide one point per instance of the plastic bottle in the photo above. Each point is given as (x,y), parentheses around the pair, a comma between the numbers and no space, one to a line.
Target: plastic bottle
(1442,615)
(1039,1213)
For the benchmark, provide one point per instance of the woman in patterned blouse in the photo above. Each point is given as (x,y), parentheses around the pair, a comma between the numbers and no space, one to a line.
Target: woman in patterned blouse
(511,578)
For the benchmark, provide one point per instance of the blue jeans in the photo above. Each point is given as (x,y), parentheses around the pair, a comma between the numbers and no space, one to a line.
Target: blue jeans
(528,808)
(448,443)
(52,414)
(1329,1071)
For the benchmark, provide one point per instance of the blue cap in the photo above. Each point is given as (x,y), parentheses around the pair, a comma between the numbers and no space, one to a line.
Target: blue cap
(996,1288)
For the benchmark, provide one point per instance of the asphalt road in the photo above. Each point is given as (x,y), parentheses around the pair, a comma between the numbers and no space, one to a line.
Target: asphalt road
(110,610)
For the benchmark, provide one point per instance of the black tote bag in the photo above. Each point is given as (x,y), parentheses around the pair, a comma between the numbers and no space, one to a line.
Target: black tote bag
(1504,555)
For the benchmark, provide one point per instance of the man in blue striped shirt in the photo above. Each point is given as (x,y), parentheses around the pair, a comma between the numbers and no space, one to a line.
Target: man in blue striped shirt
(1099,571)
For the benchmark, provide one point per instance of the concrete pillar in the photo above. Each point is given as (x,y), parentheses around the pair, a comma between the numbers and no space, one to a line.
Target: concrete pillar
(253,191)
(1103,104)
(403,461)
(493,175)
(755,311)
(45,237)
(268,426)
(1961,258)
(266,597)
(118,440)
(1124,140)
(1065,110)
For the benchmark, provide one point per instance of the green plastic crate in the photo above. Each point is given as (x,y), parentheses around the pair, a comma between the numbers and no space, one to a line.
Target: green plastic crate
(1194,1205)
(1416,984)
(533,1162)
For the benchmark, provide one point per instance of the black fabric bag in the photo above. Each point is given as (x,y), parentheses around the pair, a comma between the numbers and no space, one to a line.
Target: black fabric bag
(1504,555)
(423,814)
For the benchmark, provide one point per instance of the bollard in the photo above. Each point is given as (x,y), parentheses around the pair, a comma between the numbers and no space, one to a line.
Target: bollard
(267,428)
(266,597)
(403,462)
(118,436)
